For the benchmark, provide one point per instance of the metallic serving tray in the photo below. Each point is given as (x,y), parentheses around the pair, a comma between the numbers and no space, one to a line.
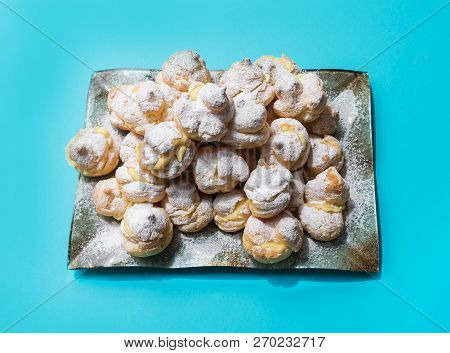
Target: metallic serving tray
(95,241)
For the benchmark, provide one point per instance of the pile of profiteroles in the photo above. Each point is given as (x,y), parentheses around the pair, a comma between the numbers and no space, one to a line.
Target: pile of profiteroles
(250,152)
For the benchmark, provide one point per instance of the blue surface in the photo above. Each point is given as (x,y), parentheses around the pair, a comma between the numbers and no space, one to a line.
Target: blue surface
(43,92)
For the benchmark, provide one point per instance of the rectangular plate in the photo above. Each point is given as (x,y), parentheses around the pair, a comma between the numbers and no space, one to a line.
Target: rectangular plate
(95,241)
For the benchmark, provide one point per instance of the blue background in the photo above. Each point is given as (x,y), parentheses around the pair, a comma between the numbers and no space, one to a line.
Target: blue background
(43,92)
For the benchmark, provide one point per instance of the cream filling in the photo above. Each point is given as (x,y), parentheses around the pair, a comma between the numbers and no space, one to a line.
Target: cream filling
(284,61)
(291,128)
(235,215)
(194,91)
(135,175)
(326,206)
(277,247)
(180,147)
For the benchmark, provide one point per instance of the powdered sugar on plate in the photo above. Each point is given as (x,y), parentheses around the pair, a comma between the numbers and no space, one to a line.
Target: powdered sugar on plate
(101,244)
(345,104)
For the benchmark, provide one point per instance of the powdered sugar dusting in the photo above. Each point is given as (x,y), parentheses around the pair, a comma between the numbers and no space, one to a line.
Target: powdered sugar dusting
(289,144)
(166,139)
(183,68)
(146,221)
(206,118)
(283,226)
(88,148)
(225,203)
(219,169)
(101,244)
(105,249)
(213,247)
(321,225)
(128,146)
(345,104)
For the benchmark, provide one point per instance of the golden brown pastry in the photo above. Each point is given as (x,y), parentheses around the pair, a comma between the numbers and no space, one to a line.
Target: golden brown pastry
(321,225)
(289,144)
(268,190)
(184,68)
(93,152)
(325,152)
(325,124)
(327,191)
(133,107)
(170,94)
(325,197)
(204,113)
(231,210)
(248,128)
(147,230)
(138,184)
(109,200)
(313,98)
(297,95)
(246,78)
(281,73)
(189,210)
(276,67)
(288,91)
(166,151)
(218,169)
(272,240)
(128,146)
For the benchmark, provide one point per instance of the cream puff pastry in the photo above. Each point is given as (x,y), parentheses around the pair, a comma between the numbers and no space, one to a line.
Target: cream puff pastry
(325,124)
(248,128)
(289,144)
(276,67)
(244,77)
(109,200)
(289,92)
(298,95)
(325,152)
(166,151)
(138,184)
(297,190)
(184,68)
(327,191)
(282,74)
(325,197)
(313,98)
(170,94)
(93,152)
(321,225)
(268,190)
(189,210)
(251,157)
(147,230)
(204,113)
(128,146)
(135,106)
(219,169)
(272,240)
(231,210)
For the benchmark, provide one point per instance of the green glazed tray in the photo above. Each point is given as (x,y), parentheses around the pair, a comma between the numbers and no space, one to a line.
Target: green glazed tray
(95,241)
